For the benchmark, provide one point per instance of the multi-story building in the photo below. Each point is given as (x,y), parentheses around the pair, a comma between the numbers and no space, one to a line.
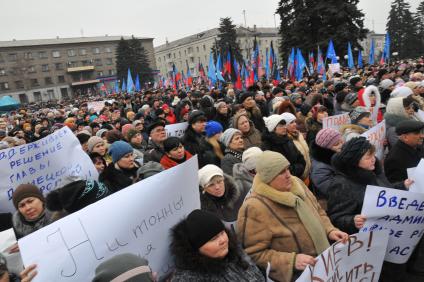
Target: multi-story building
(194,49)
(46,69)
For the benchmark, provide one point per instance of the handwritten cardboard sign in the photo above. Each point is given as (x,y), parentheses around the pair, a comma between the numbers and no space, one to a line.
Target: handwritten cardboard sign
(334,68)
(336,121)
(96,105)
(46,163)
(376,135)
(176,130)
(360,259)
(400,212)
(135,220)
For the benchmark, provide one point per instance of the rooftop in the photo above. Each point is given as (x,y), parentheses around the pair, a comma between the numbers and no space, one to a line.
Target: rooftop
(58,40)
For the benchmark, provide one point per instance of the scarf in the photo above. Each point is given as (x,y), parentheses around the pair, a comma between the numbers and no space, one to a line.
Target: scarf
(236,154)
(296,199)
(24,227)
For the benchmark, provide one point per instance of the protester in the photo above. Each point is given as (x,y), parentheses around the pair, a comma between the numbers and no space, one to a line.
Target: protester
(98,161)
(154,150)
(175,153)
(213,132)
(251,136)
(234,147)
(244,172)
(361,121)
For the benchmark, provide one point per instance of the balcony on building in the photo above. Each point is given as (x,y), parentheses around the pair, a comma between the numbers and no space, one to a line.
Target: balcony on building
(80,69)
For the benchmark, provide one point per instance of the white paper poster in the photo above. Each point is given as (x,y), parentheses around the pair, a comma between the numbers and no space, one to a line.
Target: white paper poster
(334,68)
(417,174)
(360,259)
(176,130)
(97,105)
(376,136)
(400,212)
(134,220)
(336,121)
(46,163)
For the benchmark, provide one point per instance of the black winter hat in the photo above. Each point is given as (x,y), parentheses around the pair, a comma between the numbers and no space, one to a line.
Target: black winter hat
(196,116)
(201,227)
(354,80)
(243,96)
(153,125)
(352,151)
(305,109)
(171,143)
(76,195)
(409,126)
(340,86)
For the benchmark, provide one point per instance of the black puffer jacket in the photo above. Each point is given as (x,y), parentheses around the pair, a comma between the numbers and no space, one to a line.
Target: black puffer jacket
(346,194)
(197,144)
(285,146)
(117,179)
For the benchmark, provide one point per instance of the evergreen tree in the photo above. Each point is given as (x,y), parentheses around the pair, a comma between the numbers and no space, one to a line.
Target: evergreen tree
(227,40)
(308,24)
(419,23)
(402,30)
(131,54)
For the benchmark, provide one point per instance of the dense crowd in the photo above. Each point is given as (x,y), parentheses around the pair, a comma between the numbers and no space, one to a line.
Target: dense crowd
(265,163)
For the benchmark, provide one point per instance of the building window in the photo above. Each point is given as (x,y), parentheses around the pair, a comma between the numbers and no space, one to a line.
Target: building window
(83,51)
(108,50)
(4,86)
(34,82)
(185,52)
(111,72)
(174,56)
(2,72)
(179,54)
(31,69)
(19,84)
(204,47)
(13,57)
(85,62)
(109,61)
(72,64)
(61,78)
(96,50)
(23,98)
(51,95)
(48,80)
(71,53)
(197,49)
(59,66)
(56,54)
(42,55)
(98,62)
(64,93)
(37,96)
(45,67)
(1,58)
(28,56)
(100,73)
(159,59)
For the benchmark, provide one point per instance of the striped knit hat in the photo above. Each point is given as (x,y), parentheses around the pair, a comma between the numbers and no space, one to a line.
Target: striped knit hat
(327,138)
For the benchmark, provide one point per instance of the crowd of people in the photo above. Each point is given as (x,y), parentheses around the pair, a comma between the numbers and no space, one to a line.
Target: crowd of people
(265,162)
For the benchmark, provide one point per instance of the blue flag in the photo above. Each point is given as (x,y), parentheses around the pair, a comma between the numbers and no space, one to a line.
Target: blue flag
(130,82)
(137,83)
(301,64)
(218,68)
(371,58)
(350,62)
(124,85)
(386,51)
(267,72)
(211,70)
(331,53)
(360,63)
(116,86)
(291,64)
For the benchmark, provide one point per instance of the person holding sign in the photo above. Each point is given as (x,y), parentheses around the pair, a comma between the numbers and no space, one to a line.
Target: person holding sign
(356,167)
(361,121)
(205,251)
(281,222)
(175,153)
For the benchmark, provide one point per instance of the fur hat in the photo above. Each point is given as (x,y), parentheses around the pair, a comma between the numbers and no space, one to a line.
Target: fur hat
(269,165)
(352,152)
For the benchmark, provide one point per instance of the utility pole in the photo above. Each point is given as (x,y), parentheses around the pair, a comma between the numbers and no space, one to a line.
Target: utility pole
(244,16)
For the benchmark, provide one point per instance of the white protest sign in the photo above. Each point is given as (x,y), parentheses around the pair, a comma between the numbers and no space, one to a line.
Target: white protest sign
(401,212)
(176,130)
(14,260)
(336,121)
(411,175)
(46,163)
(421,115)
(376,135)
(360,259)
(97,105)
(417,174)
(7,239)
(334,68)
(134,220)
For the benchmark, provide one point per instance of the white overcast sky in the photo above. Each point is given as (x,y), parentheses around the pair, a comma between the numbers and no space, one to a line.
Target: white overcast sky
(160,19)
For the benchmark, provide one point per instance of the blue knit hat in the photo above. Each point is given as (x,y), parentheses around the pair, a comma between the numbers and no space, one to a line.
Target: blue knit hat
(212,128)
(118,149)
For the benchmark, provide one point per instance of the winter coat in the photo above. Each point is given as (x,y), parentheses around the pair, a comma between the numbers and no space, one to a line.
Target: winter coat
(116,178)
(392,121)
(322,172)
(285,146)
(251,138)
(256,117)
(192,266)
(312,128)
(22,227)
(303,148)
(242,177)
(224,120)
(167,162)
(154,152)
(346,194)
(231,158)
(272,232)
(350,131)
(401,157)
(196,144)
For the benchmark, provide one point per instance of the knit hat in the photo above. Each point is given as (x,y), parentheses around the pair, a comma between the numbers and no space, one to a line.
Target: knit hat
(386,83)
(352,151)
(288,117)
(212,128)
(171,143)
(202,226)
(327,138)
(118,149)
(131,133)
(125,128)
(351,98)
(76,195)
(358,113)
(124,267)
(149,169)
(93,141)
(339,86)
(243,96)
(25,191)
(269,165)
(113,135)
(228,135)
(207,172)
(196,116)
(250,157)
(353,80)
(272,121)
(294,97)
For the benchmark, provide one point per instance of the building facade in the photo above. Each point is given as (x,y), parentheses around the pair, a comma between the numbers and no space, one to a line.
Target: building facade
(61,68)
(194,49)
(379,40)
